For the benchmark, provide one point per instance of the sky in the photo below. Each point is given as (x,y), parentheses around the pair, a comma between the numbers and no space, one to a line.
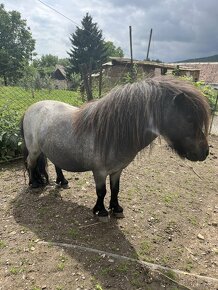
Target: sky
(182,29)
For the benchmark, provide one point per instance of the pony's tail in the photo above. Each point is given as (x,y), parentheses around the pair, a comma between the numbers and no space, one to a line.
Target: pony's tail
(24,148)
(39,173)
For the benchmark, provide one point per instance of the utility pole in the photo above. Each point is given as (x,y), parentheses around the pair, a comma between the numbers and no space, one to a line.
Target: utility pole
(149,43)
(131,56)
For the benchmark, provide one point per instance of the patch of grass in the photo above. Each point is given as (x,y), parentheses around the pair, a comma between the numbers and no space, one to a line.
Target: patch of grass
(105,271)
(123,267)
(189,266)
(2,244)
(193,220)
(164,260)
(73,233)
(145,248)
(13,103)
(135,280)
(43,211)
(171,274)
(170,197)
(15,270)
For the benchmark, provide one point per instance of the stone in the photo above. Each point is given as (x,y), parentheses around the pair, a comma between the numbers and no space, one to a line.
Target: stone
(200,237)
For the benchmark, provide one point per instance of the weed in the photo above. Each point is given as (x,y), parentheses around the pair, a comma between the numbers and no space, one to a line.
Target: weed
(15,270)
(98,287)
(61,266)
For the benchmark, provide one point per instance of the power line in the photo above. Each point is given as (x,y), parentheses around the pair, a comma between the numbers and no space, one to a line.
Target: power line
(60,13)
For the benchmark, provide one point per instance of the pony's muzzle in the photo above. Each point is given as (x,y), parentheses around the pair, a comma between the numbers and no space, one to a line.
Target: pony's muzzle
(199,154)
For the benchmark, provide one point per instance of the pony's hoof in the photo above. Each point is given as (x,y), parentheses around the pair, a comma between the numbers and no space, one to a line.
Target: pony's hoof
(62,182)
(116,211)
(65,186)
(104,219)
(35,185)
(101,214)
(118,215)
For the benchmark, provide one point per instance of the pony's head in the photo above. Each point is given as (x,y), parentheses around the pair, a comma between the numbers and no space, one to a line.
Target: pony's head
(185,124)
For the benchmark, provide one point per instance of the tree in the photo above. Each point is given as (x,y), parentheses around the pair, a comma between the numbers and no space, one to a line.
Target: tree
(45,65)
(16,45)
(112,50)
(87,46)
(49,60)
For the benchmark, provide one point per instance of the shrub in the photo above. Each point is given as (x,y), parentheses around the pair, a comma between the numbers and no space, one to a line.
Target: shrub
(10,138)
(209,93)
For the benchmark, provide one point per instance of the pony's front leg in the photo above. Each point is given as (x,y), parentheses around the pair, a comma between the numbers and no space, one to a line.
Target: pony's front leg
(116,209)
(100,183)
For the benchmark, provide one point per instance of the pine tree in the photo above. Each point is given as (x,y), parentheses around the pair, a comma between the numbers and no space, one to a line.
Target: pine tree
(87,46)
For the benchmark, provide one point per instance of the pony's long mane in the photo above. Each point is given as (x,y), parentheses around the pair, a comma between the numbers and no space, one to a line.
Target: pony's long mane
(121,118)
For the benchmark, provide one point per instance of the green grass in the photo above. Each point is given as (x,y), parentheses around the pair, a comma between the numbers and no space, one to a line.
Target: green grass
(13,103)
(2,244)
(19,99)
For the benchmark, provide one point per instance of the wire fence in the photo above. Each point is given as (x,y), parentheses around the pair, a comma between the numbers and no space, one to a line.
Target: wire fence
(14,100)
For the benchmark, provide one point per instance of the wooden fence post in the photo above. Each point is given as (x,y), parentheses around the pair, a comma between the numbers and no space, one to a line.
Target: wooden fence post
(86,79)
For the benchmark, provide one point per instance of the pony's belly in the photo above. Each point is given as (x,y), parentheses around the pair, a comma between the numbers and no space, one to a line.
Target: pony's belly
(69,164)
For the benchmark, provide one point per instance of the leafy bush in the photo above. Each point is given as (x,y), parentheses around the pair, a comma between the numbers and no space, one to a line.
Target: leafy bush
(10,139)
(209,93)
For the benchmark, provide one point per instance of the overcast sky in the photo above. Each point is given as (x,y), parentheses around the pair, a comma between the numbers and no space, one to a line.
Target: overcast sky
(182,29)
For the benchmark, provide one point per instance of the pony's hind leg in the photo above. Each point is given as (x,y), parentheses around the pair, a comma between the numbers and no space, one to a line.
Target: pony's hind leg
(116,209)
(60,177)
(36,166)
(100,182)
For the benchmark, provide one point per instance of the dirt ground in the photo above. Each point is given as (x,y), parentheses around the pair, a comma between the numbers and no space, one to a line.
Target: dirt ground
(49,238)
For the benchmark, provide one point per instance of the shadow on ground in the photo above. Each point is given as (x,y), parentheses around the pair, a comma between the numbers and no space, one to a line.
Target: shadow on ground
(56,220)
